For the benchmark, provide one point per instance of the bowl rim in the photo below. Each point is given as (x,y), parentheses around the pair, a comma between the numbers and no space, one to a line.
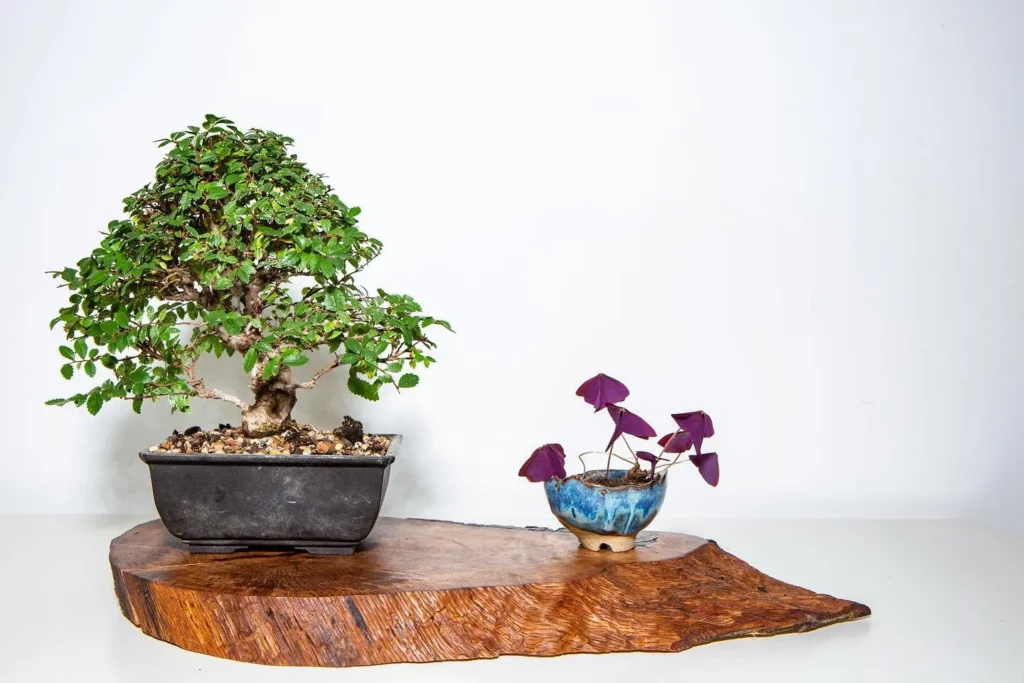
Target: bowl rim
(581,477)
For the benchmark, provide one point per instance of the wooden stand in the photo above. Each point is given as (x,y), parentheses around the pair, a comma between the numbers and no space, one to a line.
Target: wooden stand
(425,591)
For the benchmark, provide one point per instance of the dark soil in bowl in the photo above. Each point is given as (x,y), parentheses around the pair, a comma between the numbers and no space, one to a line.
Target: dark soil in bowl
(632,478)
(296,439)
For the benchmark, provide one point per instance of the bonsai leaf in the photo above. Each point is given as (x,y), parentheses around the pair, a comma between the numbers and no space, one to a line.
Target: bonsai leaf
(234,324)
(708,466)
(697,424)
(67,352)
(628,423)
(67,370)
(216,191)
(648,457)
(326,268)
(94,402)
(249,362)
(545,463)
(360,387)
(602,390)
(677,442)
(334,300)
(408,381)
(272,367)
(294,358)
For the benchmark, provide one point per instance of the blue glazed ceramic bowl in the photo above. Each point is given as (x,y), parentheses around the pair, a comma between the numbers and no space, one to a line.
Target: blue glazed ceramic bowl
(602,516)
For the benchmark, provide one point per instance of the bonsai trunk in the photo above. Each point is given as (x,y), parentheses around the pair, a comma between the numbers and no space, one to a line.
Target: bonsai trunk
(271,411)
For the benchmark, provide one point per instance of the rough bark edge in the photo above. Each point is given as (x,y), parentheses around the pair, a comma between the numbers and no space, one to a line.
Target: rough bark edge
(484,623)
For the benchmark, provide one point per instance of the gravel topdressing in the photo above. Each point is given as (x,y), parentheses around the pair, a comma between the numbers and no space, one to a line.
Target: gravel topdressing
(294,440)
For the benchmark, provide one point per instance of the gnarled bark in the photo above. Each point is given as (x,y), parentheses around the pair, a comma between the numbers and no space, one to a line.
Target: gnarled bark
(271,411)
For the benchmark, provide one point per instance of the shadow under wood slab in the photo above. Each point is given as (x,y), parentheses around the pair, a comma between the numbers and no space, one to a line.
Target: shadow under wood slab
(426,591)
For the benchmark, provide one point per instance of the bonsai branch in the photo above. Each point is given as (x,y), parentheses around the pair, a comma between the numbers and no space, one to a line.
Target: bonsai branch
(239,342)
(203,392)
(397,353)
(180,284)
(348,276)
(132,397)
(311,382)
(253,302)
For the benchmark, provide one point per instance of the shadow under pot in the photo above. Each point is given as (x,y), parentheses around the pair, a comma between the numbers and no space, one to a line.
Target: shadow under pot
(217,503)
(602,516)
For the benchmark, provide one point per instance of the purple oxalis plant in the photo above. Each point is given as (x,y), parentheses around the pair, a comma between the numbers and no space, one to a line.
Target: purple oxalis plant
(601,390)
(546,462)
(605,393)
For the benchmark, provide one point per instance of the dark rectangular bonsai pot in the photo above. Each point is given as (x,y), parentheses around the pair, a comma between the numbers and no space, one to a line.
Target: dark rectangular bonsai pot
(220,503)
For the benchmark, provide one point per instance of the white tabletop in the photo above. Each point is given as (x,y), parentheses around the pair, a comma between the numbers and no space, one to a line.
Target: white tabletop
(947,597)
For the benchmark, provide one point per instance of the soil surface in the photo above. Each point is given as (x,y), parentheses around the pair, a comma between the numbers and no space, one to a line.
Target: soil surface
(296,439)
(633,477)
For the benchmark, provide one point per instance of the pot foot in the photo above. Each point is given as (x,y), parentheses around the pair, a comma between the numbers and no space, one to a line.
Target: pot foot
(207,548)
(616,543)
(327,550)
(339,548)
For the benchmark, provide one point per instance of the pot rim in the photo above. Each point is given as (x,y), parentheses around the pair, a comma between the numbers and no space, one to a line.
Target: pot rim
(661,476)
(328,460)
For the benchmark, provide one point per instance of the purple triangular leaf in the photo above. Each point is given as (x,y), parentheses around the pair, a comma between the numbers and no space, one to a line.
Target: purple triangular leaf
(628,423)
(678,442)
(545,463)
(697,424)
(648,457)
(602,390)
(708,466)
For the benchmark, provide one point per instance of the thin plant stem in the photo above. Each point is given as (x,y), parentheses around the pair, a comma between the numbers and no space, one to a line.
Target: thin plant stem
(636,461)
(662,468)
(611,446)
(616,455)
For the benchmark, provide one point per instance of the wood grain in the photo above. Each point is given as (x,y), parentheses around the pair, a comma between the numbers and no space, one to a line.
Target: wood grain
(423,591)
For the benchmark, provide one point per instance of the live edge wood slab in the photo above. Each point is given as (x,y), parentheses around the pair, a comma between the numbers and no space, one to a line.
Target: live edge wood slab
(426,591)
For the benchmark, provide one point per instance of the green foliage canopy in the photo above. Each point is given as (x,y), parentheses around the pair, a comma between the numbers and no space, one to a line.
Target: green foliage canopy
(202,265)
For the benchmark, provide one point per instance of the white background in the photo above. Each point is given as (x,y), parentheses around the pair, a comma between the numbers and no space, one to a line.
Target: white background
(804,218)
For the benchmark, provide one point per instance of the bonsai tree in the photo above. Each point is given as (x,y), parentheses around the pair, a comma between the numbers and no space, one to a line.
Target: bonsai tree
(235,248)
(605,393)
